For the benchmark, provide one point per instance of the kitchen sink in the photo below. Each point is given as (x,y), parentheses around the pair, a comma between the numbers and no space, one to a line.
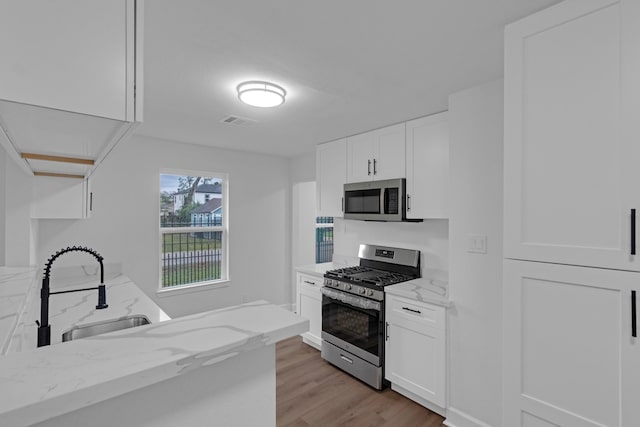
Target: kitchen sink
(103,327)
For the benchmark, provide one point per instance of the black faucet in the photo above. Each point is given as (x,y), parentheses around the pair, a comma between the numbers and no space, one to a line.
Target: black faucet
(44,329)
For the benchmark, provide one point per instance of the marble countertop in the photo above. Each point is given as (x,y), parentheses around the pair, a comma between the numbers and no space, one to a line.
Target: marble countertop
(16,285)
(425,289)
(318,269)
(72,309)
(52,380)
(37,384)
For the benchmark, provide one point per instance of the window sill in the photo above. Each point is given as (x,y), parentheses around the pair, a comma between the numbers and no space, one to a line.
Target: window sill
(197,287)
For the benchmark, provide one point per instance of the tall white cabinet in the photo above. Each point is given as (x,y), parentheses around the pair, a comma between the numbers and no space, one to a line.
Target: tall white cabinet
(572,97)
(569,355)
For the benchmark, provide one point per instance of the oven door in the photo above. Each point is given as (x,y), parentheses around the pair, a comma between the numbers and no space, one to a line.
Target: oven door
(354,324)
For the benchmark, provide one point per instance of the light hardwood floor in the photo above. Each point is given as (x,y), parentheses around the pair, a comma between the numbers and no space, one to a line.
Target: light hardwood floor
(311,392)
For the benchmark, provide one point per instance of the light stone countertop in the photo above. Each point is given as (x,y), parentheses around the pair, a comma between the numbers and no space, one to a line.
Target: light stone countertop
(37,384)
(318,269)
(424,289)
(78,308)
(15,287)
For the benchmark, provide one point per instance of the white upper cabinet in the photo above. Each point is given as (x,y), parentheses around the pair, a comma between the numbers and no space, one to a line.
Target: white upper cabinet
(377,155)
(572,97)
(427,160)
(331,174)
(70,81)
(72,55)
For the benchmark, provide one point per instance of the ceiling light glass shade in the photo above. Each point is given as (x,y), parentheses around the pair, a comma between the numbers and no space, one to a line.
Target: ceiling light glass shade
(261,94)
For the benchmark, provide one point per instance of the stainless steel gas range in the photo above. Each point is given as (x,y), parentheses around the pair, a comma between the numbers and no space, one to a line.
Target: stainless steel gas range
(353,325)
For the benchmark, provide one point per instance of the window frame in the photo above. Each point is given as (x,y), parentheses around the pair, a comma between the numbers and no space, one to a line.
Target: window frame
(223,228)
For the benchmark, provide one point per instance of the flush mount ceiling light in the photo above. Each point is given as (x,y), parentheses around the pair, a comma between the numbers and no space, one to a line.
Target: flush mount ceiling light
(261,94)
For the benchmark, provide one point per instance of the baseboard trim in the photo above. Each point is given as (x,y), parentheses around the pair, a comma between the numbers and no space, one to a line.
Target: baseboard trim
(429,405)
(456,418)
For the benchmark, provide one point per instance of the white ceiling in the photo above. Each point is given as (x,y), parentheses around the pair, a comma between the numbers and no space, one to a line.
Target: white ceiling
(348,66)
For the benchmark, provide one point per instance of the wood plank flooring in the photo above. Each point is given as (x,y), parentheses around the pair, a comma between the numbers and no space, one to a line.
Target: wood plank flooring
(311,392)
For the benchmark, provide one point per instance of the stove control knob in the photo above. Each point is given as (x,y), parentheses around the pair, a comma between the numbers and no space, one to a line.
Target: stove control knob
(362,291)
(347,286)
(370,293)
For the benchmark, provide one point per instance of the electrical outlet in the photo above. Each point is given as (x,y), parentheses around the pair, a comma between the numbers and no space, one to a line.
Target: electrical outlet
(477,244)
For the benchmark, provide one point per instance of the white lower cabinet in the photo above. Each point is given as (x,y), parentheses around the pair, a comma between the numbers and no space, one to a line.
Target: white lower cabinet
(415,361)
(570,358)
(309,305)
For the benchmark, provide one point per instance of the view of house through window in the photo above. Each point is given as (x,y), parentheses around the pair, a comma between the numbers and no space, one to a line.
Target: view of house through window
(192,229)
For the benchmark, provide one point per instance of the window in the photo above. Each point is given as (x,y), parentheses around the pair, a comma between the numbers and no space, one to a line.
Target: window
(324,239)
(193,229)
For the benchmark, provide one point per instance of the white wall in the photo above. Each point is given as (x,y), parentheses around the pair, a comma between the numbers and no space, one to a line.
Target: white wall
(303,168)
(124,224)
(431,237)
(476,135)
(20,231)
(303,208)
(3,171)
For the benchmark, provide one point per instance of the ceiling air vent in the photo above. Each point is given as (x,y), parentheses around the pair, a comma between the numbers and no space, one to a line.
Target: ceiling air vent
(238,121)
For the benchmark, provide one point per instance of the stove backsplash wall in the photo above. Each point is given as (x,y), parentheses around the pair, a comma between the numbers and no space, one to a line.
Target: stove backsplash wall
(430,237)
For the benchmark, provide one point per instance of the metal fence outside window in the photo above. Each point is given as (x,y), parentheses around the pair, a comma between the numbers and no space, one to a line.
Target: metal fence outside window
(190,256)
(324,239)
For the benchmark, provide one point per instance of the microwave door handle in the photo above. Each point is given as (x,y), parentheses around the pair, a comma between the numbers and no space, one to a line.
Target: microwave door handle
(385,202)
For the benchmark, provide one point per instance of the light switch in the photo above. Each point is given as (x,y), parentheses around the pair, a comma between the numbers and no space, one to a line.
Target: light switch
(477,244)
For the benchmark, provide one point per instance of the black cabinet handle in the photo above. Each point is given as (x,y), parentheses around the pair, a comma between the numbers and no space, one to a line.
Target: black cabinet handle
(634,325)
(386,331)
(368,167)
(375,171)
(412,310)
(408,202)
(633,231)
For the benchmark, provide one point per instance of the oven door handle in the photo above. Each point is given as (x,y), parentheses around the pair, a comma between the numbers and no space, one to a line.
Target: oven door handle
(352,300)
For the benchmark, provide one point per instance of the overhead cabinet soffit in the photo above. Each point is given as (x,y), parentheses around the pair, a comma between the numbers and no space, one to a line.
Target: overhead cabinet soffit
(67,101)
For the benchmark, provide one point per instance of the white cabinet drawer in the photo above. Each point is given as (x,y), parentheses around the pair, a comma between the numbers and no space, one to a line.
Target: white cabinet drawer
(418,313)
(304,279)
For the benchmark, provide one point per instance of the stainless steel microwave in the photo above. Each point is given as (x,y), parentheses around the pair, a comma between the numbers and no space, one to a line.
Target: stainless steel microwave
(376,200)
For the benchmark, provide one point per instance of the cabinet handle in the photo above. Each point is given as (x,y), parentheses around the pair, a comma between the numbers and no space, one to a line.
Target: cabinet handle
(310,283)
(343,204)
(633,231)
(408,202)
(386,331)
(412,310)
(91,201)
(375,170)
(368,167)
(634,325)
